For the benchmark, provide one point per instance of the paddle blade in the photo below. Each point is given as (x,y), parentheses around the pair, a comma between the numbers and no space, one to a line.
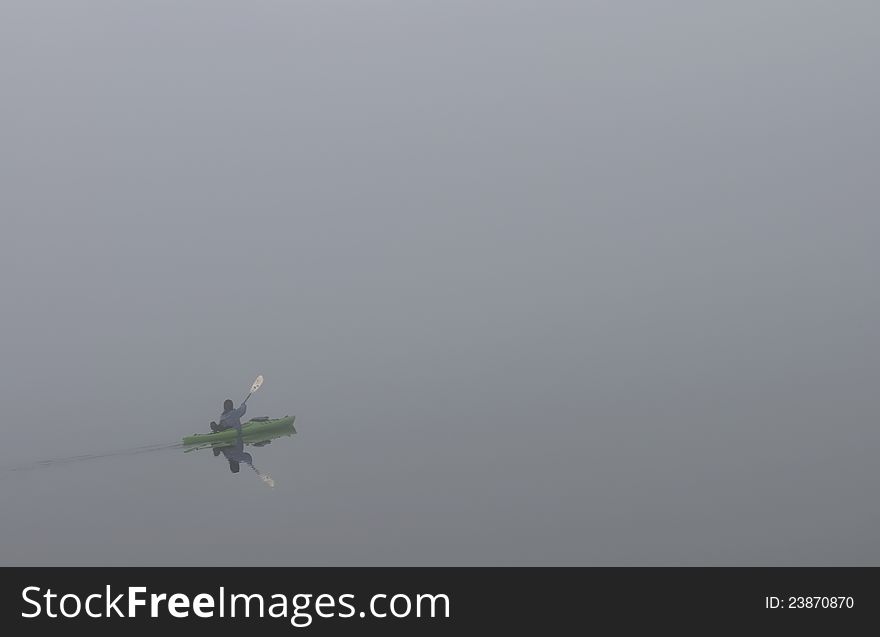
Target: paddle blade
(257,383)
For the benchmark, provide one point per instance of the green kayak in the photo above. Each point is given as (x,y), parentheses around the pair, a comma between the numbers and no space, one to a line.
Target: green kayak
(251,430)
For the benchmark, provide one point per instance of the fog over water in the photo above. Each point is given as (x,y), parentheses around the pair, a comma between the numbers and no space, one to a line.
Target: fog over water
(543,282)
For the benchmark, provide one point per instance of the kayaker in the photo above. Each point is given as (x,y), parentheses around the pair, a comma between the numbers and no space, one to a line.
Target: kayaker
(230,418)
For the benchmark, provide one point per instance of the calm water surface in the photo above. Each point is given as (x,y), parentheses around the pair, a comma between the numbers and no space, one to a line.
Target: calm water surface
(543,283)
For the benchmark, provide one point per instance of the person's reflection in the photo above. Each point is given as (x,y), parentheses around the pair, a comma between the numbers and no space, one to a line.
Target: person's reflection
(236,456)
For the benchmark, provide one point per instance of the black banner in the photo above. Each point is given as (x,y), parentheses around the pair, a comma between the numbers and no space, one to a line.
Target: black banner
(434,600)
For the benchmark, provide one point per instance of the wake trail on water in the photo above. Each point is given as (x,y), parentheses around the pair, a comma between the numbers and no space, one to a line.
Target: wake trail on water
(51,462)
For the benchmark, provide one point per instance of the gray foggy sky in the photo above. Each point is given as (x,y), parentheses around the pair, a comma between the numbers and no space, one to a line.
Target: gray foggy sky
(544,282)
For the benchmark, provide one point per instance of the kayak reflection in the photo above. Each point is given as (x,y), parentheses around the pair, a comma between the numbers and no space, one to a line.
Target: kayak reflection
(233,450)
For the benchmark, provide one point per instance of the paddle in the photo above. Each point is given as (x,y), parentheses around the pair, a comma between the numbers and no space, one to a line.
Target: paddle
(257,384)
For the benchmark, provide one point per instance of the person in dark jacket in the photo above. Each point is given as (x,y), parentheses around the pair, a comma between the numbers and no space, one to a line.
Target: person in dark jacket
(230,418)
